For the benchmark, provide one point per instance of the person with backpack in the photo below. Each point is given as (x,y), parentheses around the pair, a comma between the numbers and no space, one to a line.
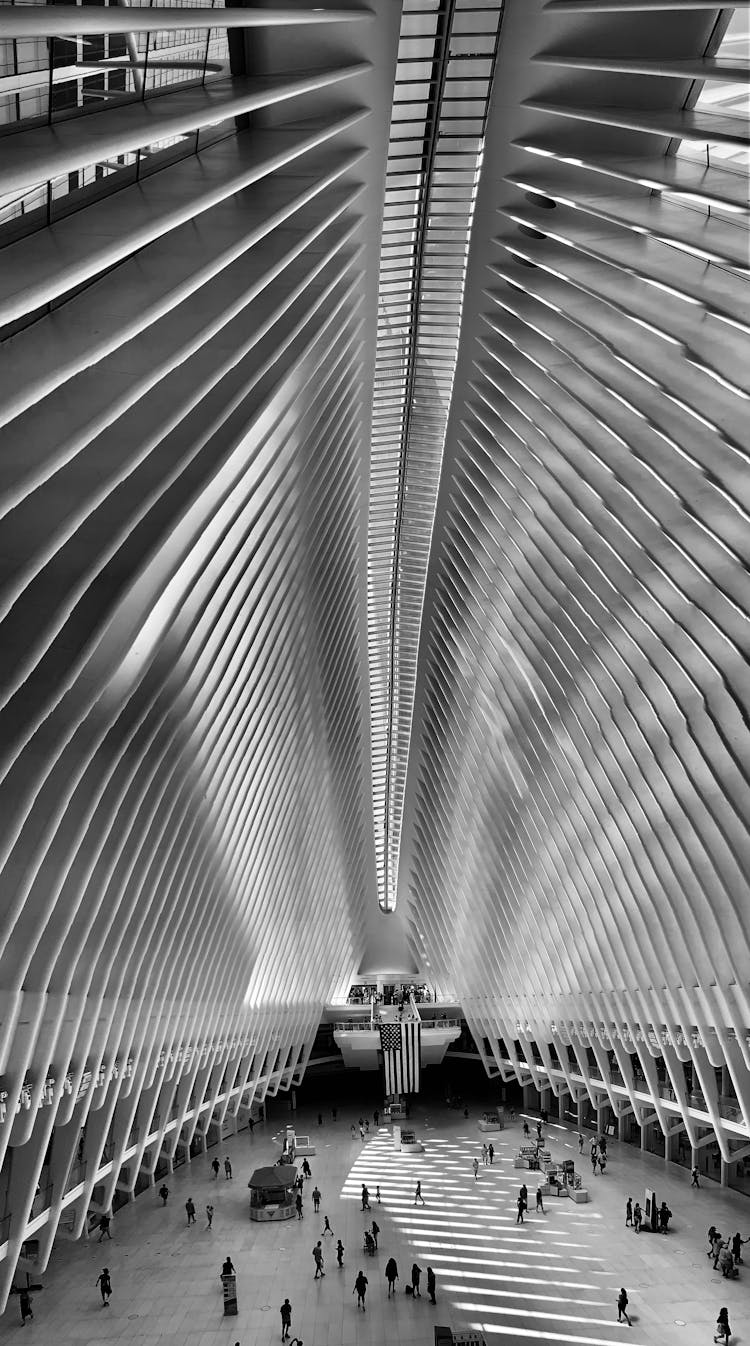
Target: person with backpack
(164,1193)
(622,1307)
(215,1165)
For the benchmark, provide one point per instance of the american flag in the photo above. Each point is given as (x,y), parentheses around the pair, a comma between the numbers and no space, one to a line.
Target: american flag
(400,1044)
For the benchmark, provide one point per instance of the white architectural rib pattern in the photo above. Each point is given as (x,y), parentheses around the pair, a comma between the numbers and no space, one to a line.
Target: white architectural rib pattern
(581,788)
(184,782)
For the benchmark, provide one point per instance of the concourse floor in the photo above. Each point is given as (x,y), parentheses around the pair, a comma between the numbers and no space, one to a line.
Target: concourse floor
(553,1279)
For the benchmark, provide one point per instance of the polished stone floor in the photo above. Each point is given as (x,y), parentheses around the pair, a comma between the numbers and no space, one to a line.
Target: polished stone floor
(553,1279)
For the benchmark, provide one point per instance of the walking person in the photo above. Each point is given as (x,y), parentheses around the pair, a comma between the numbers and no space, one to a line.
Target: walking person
(306,1170)
(24,1304)
(104,1228)
(713,1233)
(215,1165)
(694,1176)
(723,1330)
(525,1130)
(190,1208)
(737,1242)
(209,1215)
(326,1227)
(622,1307)
(629,1212)
(105,1285)
(365,1198)
(491,1153)
(418,1194)
(317,1253)
(718,1245)
(340,1253)
(361,1131)
(251,1126)
(391,1275)
(375,1231)
(360,1289)
(316,1199)
(164,1193)
(431,1285)
(377,1193)
(286,1319)
(416,1275)
(594,1161)
(298,1206)
(227,1168)
(521,1208)
(475,1166)
(376,1117)
(665,1215)
(485,1155)
(580,1142)
(637,1218)
(539,1200)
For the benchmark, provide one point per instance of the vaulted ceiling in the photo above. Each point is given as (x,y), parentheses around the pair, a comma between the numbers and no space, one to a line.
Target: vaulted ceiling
(374,482)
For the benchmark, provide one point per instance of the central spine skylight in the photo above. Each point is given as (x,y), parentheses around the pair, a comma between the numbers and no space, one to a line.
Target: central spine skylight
(444,74)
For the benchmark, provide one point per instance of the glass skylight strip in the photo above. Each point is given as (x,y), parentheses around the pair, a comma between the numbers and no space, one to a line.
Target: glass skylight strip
(428,214)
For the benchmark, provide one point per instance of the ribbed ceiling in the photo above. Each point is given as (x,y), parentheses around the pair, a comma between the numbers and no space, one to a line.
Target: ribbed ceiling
(375,507)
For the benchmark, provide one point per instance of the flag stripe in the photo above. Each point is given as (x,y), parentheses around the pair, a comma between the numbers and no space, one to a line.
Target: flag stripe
(401,1044)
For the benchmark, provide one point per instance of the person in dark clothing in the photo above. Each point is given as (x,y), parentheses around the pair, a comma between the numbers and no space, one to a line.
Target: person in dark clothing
(164,1193)
(622,1307)
(737,1242)
(521,1208)
(24,1304)
(298,1206)
(190,1208)
(629,1212)
(306,1169)
(215,1165)
(104,1228)
(491,1153)
(105,1285)
(316,1199)
(694,1176)
(376,1117)
(340,1253)
(317,1253)
(360,1289)
(227,1168)
(326,1227)
(365,1198)
(637,1217)
(431,1285)
(665,1215)
(723,1330)
(251,1125)
(375,1232)
(391,1275)
(416,1274)
(286,1319)
(525,1130)
(227,1268)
